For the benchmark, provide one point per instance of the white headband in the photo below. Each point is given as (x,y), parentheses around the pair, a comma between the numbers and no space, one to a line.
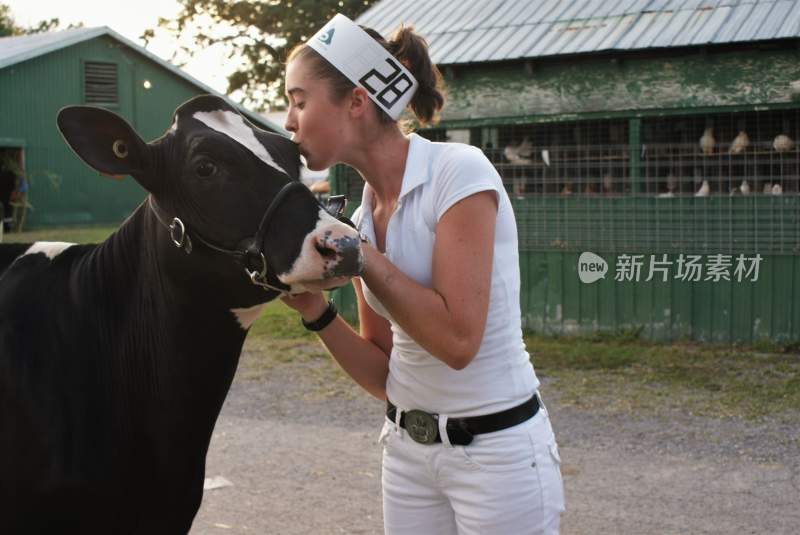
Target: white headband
(365,63)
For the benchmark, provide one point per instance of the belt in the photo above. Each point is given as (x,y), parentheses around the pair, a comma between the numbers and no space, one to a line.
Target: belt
(423,427)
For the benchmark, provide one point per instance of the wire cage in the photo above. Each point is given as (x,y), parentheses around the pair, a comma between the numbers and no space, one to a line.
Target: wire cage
(706,183)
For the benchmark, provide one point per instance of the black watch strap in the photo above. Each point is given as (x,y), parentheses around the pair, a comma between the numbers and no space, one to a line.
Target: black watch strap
(324,320)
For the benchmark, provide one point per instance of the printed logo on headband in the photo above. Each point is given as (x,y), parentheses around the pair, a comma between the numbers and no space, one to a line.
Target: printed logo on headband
(327,37)
(366,63)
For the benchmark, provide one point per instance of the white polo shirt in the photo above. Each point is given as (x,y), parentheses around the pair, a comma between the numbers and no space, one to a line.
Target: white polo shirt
(437,175)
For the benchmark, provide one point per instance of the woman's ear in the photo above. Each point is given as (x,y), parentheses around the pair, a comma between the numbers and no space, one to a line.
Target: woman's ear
(359,102)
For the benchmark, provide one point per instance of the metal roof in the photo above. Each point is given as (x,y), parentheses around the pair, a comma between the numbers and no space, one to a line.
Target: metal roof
(17,49)
(467,31)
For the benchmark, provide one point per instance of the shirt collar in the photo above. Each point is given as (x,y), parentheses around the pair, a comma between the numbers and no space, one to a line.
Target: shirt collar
(416,172)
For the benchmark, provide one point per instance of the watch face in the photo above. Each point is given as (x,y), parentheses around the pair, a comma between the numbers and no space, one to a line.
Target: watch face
(421,426)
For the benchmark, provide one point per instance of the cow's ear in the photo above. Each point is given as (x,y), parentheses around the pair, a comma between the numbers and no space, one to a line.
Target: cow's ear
(105,142)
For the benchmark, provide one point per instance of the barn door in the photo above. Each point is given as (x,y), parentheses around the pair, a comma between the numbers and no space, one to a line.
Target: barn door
(13,196)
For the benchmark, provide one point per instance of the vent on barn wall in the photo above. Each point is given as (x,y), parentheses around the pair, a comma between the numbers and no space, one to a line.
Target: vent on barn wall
(100,83)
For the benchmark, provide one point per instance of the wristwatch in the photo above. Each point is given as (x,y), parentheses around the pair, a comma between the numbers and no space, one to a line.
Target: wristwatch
(324,320)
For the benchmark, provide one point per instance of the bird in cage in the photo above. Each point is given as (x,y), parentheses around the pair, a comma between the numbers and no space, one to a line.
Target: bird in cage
(590,189)
(608,183)
(707,141)
(776,189)
(767,189)
(783,143)
(744,187)
(672,183)
(567,190)
(740,143)
(521,154)
(704,191)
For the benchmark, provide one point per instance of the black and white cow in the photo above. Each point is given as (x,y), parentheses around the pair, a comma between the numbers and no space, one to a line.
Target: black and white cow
(115,358)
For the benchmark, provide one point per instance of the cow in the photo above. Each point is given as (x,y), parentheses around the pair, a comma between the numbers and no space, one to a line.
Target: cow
(115,358)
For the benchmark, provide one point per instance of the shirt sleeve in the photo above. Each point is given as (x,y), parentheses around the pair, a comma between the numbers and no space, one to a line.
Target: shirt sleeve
(463,171)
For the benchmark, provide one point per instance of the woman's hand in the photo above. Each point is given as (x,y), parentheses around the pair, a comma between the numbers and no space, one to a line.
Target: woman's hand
(309,305)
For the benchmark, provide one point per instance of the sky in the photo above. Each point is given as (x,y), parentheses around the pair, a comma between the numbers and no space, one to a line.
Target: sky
(130,19)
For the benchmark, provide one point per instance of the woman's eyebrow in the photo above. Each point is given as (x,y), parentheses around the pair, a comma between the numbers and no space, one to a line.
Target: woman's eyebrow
(294,90)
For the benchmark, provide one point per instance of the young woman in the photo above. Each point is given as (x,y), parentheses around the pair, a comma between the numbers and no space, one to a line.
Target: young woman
(468,446)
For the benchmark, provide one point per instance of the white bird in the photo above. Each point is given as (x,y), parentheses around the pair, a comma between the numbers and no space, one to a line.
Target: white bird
(672,183)
(707,141)
(608,183)
(744,187)
(767,188)
(704,190)
(519,154)
(740,143)
(783,143)
(777,189)
(546,157)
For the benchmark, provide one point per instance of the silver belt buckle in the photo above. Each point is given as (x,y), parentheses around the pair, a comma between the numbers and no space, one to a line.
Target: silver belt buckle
(421,426)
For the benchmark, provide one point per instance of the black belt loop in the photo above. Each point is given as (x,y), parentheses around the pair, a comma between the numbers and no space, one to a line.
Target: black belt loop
(424,426)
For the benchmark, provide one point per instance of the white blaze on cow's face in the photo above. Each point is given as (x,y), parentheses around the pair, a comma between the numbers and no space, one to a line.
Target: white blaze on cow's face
(51,249)
(232,125)
(329,257)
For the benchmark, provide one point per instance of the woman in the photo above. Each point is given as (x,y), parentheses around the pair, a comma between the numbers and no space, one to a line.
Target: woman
(468,448)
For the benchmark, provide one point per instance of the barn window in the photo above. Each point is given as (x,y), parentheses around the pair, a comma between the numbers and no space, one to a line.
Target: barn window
(100,83)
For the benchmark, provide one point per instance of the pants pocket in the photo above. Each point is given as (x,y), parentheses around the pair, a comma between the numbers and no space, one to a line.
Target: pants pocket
(386,432)
(548,466)
(504,451)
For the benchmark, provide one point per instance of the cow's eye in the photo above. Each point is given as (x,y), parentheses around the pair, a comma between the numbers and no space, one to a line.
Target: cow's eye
(206,169)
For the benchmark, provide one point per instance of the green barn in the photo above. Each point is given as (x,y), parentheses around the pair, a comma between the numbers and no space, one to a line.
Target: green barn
(41,73)
(649,150)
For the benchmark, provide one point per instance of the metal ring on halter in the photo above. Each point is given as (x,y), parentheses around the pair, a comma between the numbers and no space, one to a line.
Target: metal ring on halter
(258,276)
(177,223)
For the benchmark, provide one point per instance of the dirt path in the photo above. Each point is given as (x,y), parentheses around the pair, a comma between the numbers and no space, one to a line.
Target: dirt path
(303,459)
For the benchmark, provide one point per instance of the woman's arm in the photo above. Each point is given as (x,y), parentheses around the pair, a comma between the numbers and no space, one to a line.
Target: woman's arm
(366,357)
(448,319)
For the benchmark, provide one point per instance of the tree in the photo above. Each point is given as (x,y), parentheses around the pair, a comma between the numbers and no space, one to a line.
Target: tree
(8,26)
(260,33)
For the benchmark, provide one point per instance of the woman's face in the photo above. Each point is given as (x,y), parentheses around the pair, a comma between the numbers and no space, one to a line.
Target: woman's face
(316,122)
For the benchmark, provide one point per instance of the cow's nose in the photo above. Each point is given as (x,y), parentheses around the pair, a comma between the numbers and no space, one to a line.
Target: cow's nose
(340,249)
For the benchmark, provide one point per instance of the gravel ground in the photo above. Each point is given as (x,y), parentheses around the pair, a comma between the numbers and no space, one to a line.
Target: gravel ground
(303,459)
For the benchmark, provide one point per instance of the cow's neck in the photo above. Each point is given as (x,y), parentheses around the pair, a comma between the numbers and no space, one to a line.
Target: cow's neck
(187,316)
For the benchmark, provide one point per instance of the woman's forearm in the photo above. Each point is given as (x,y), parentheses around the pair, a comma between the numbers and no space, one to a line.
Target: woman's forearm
(364,361)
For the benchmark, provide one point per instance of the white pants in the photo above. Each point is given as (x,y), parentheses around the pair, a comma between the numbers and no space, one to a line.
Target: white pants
(504,483)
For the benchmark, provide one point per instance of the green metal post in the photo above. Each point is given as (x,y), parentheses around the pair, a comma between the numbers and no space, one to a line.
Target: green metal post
(635,153)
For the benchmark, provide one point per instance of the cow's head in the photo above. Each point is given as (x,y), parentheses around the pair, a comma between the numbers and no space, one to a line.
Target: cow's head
(220,175)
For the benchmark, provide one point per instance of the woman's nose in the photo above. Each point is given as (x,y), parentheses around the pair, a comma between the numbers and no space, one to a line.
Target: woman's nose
(290,124)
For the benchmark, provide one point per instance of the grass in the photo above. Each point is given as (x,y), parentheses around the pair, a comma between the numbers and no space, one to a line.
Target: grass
(615,372)
(94,234)
(627,374)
